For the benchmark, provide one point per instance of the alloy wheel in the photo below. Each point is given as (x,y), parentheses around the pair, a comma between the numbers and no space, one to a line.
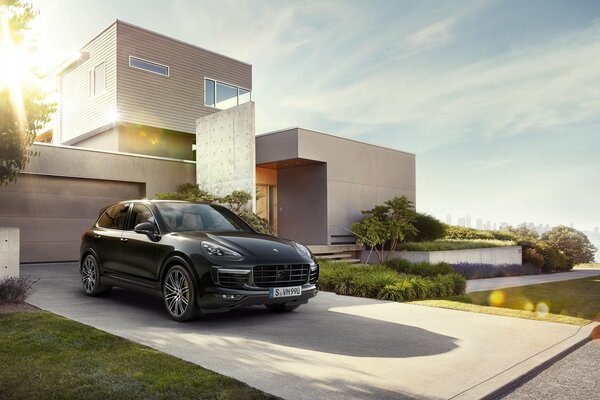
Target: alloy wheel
(88,274)
(176,293)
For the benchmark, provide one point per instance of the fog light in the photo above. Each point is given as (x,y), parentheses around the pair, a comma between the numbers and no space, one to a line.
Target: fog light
(229,296)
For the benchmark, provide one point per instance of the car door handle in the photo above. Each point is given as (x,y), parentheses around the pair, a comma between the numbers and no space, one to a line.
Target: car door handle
(124,239)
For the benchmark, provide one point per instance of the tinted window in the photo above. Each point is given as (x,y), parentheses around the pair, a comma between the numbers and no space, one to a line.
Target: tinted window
(226,96)
(181,217)
(139,213)
(148,66)
(209,93)
(114,217)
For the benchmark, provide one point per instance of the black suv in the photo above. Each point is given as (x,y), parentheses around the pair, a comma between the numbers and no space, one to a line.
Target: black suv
(199,257)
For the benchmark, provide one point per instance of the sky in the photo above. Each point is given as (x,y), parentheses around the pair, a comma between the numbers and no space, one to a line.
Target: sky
(499,100)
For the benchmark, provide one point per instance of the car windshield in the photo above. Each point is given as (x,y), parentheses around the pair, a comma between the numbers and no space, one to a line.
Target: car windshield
(183,217)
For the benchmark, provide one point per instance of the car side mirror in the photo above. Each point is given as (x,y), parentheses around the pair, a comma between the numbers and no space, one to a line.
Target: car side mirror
(147,228)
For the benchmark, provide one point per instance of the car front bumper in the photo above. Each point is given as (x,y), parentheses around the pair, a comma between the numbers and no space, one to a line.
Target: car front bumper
(221,299)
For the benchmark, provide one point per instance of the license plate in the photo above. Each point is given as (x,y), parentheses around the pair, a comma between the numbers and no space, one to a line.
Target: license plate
(285,291)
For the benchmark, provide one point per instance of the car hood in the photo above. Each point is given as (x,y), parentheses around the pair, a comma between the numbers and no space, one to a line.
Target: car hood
(264,247)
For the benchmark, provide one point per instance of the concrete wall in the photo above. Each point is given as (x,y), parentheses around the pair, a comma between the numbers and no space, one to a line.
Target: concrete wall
(225,151)
(359,175)
(492,255)
(9,252)
(60,192)
(302,203)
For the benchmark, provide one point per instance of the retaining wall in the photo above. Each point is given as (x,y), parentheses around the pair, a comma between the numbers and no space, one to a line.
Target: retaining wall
(490,255)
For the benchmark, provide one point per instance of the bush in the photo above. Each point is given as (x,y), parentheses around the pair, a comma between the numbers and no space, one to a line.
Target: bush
(554,259)
(421,269)
(258,223)
(428,228)
(531,256)
(572,243)
(16,289)
(385,283)
(482,271)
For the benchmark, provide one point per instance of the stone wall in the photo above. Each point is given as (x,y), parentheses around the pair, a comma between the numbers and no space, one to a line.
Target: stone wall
(490,255)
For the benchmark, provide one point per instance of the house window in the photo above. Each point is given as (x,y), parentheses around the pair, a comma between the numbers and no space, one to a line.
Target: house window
(97,80)
(209,93)
(222,95)
(149,66)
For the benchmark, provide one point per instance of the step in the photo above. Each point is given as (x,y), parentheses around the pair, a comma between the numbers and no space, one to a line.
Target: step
(334,256)
(346,260)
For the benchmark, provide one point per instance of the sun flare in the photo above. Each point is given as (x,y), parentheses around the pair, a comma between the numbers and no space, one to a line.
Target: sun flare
(14,69)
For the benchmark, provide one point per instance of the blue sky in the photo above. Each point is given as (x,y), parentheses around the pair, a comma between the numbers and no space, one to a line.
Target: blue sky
(499,100)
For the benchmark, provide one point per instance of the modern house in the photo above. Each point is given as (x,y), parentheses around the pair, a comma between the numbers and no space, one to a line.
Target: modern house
(141,113)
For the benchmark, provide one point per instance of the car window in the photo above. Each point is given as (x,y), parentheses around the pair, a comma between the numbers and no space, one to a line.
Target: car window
(140,213)
(114,217)
(181,217)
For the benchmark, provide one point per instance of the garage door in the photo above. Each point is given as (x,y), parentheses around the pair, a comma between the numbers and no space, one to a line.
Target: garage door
(52,212)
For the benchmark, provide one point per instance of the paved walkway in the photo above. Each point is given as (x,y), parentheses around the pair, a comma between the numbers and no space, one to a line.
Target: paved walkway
(477,285)
(335,347)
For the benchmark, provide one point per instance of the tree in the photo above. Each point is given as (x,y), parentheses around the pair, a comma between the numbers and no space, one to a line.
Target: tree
(390,222)
(23,106)
(523,231)
(573,243)
(236,200)
(188,192)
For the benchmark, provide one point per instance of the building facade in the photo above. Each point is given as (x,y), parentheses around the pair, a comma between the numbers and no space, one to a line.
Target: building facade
(136,91)
(132,106)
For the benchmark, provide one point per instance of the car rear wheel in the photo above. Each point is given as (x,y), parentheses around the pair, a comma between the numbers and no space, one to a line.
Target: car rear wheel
(282,307)
(90,277)
(179,294)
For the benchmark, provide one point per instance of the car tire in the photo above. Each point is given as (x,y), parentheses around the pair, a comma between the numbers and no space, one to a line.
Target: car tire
(90,277)
(179,294)
(282,307)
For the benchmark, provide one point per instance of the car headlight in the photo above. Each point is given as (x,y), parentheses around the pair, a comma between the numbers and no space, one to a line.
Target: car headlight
(302,249)
(219,251)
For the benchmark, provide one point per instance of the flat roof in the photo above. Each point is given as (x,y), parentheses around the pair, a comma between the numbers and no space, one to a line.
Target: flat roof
(298,128)
(65,64)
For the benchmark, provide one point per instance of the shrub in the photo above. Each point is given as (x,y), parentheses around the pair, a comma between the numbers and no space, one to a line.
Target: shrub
(382,282)
(428,228)
(482,271)
(554,259)
(188,192)
(16,289)
(531,256)
(258,223)
(421,269)
(463,233)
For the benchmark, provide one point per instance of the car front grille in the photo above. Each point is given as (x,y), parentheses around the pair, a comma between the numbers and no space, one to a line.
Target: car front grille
(268,276)
(314,275)
(232,278)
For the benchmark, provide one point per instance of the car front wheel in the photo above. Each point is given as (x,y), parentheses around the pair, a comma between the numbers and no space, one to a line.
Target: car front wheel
(90,277)
(179,294)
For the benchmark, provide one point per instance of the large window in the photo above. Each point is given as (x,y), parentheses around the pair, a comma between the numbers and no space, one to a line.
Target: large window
(222,95)
(149,66)
(97,80)
(114,217)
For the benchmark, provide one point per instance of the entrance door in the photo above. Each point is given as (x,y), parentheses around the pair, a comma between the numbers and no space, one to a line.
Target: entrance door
(266,204)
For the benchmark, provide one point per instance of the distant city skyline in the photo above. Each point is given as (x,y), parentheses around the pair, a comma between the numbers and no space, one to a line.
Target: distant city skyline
(489,224)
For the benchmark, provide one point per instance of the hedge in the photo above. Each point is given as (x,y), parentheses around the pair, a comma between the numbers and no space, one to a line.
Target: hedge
(382,282)
(482,271)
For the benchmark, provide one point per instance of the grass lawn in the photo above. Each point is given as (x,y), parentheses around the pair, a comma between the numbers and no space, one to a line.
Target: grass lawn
(450,244)
(46,356)
(576,301)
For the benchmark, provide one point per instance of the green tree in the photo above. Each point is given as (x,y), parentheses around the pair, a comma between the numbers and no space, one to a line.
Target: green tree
(188,192)
(236,200)
(573,243)
(390,222)
(523,231)
(23,106)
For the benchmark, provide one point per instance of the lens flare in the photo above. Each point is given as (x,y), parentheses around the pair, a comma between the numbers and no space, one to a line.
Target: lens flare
(542,308)
(497,298)
(529,306)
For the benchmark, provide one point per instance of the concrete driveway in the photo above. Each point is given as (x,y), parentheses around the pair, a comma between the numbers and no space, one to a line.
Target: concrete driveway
(336,347)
